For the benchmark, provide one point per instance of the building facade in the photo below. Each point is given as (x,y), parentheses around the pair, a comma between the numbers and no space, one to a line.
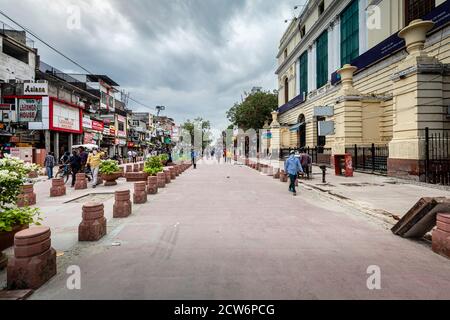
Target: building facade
(362,74)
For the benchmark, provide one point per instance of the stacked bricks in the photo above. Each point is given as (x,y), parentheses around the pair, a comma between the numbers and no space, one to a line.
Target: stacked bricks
(441,235)
(27,197)
(136,176)
(152,185)
(161,178)
(140,193)
(93,226)
(34,261)
(80,182)
(122,205)
(58,188)
(136,167)
(168,176)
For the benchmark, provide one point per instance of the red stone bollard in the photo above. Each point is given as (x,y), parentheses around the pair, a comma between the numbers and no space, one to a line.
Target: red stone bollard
(140,193)
(168,176)
(122,172)
(276,173)
(152,185)
(173,173)
(270,171)
(27,197)
(58,188)
(161,176)
(34,261)
(137,176)
(81,182)
(141,166)
(283,176)
(441,235)
(122,206)
(136,167)
(129,168)
(93,225)
(177,170)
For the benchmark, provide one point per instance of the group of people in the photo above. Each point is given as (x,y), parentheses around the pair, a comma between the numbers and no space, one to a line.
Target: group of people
(79,161)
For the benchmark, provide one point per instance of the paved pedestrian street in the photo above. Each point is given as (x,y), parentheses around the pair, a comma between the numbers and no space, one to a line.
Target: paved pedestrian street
(228,232)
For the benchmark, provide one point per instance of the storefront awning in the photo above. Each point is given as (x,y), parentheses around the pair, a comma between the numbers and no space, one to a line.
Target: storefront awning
(297,127)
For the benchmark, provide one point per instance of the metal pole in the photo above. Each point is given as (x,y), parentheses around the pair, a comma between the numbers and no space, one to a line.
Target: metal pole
(373,157)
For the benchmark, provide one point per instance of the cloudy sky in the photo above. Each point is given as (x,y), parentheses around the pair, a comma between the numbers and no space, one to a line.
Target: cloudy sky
(196,57)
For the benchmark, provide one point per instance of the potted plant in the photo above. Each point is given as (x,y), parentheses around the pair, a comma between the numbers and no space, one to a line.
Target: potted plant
(13,174)
(110,172)
(153,166)
(164,159)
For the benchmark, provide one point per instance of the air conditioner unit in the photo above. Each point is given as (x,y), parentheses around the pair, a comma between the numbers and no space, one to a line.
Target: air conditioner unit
(41,81)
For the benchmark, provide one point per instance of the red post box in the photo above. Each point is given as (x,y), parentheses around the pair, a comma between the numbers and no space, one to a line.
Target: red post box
(343,164)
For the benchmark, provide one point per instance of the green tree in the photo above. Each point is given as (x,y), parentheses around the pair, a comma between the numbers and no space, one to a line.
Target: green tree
(201,126)
(256,108)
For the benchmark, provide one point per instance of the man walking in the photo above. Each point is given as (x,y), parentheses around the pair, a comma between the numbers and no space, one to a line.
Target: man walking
(75,164)
(94,160)
(293,167)
(50,164)
(193,158)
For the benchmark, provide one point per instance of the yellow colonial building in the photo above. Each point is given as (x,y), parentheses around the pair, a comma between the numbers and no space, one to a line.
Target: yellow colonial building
(370,78)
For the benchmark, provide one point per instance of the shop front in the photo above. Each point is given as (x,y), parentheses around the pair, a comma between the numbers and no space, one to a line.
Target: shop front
(93,131)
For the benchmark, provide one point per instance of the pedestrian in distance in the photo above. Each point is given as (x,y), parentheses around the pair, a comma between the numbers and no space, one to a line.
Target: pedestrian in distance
(50,164)
(94,160)
(293,167)
(306,162)
(194,158)
(75,164)
(83,157)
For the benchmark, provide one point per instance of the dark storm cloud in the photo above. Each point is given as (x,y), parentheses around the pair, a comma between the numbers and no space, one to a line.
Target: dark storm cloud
(194,56)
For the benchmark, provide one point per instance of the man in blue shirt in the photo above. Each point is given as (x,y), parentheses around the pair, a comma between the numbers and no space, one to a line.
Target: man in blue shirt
(292,167)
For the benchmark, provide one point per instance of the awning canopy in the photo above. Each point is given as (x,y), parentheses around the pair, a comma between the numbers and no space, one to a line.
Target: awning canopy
(297,126)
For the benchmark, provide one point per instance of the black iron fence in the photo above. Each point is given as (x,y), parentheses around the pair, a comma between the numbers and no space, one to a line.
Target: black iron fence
(437,156)
(372,158)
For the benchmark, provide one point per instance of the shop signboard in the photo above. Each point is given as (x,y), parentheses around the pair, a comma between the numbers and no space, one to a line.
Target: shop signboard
(87,122)
(106,131)
(112,130)
(89,138)
(35,89)
(30,110)
(65,118)
(97,126)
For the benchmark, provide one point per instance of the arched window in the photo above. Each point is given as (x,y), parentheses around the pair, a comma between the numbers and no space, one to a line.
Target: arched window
(286,90)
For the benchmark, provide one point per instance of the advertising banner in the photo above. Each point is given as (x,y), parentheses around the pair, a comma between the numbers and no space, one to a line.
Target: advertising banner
(87,122)
(98,126)
(30,110)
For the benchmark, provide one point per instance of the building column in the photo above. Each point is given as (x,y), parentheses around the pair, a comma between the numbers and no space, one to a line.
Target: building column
(48,144)
(275,142)
(348,113)
(418,93)
(56,139)
(70,141)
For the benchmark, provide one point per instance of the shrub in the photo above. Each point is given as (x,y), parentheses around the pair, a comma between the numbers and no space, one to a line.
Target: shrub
(109,167)
(153,165)
(13,174)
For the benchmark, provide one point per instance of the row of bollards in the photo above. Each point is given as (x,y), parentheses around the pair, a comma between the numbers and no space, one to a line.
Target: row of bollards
(34,261)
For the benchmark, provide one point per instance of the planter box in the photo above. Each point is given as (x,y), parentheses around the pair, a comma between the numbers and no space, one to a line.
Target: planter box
(110,179)
(7,238)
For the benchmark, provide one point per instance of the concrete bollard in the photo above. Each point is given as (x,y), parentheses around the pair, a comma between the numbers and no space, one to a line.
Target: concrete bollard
(58,188)
(276,173)
(129,168)
(140,193)
(80,182)
(161,176)
(27,197)
(283,176)
(93,225)
(441,235)
(34,261)
(152,185)
(168,176)
(122,206)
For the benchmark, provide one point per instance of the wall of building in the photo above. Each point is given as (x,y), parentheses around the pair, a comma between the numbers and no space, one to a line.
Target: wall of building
(13,69)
